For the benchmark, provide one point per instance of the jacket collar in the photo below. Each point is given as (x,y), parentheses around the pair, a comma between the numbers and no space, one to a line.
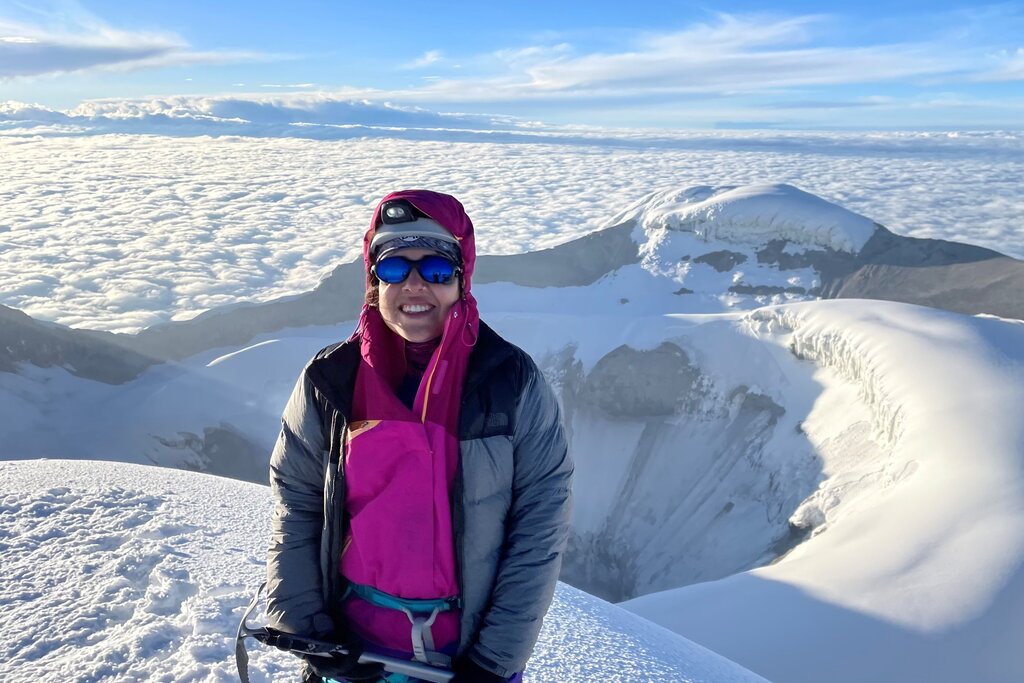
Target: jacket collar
(333,370)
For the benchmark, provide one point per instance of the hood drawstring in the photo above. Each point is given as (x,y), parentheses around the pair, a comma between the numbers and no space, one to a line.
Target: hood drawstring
(467,327)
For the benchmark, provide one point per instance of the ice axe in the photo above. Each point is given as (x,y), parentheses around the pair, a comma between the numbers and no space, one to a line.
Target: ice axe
(301,645)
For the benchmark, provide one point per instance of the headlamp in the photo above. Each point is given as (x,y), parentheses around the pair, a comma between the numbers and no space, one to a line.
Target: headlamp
(395,211)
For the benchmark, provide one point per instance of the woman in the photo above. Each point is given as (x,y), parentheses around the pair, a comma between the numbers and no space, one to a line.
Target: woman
(421,478)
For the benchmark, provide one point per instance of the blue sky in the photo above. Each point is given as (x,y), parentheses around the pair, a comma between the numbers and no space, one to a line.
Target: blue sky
(796,64)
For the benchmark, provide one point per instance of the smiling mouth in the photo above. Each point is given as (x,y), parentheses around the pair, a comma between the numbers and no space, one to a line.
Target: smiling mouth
(416,308)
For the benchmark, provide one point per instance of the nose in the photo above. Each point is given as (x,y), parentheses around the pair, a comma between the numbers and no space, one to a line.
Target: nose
(414,281)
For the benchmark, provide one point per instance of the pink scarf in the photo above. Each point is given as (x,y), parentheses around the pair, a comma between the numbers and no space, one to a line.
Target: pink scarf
(399,467)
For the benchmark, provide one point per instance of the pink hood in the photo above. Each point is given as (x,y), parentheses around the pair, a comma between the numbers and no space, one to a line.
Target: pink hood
(445,210)
(384,350)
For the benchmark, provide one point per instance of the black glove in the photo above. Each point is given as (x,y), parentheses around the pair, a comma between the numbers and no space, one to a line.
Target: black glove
(468,671)
(341,667)
(345,668)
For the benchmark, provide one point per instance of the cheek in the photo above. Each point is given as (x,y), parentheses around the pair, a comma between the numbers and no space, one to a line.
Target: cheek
(449,297)
(385,296)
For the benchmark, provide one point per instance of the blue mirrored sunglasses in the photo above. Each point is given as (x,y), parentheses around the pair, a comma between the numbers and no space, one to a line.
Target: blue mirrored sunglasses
(433,269)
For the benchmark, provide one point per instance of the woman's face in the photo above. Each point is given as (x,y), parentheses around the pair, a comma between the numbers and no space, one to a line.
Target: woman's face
(414,309)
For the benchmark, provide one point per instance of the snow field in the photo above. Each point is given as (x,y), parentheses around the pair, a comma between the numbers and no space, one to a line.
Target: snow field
(124,573)
(914,502)
(130,573)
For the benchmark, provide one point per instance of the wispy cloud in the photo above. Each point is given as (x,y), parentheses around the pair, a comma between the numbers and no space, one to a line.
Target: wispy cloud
(427,59)
(731,55)
(88,44)
(1009,67)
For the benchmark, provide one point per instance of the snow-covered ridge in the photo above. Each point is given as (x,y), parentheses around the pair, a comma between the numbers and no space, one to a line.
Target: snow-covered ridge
(873,429)
(927,380)
(916,531)
(851,356)
(126,572)
(752,214)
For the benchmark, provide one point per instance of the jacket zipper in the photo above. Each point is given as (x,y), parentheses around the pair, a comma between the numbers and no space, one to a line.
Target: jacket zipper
(334,513)
(457,510)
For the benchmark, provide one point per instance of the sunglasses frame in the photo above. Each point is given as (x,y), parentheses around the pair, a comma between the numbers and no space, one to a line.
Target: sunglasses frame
(415,265)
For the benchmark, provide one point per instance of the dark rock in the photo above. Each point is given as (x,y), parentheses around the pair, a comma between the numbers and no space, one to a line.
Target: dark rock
(722,261)
(668,386)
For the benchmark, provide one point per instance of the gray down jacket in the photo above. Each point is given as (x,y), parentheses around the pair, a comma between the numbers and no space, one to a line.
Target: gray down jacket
(510,503)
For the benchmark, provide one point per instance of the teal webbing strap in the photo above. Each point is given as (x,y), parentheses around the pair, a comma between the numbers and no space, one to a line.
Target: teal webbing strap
(382,599)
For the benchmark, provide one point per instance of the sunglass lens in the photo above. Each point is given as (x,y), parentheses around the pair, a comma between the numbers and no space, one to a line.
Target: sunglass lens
(436,269)
(392,270)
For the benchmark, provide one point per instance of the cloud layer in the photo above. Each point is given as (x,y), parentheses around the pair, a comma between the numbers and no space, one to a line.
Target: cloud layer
(123,231)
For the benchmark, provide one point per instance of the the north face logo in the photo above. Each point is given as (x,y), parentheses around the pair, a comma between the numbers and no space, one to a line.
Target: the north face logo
(497,420)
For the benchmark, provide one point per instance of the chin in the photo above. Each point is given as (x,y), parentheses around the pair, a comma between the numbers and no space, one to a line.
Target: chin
(417,336)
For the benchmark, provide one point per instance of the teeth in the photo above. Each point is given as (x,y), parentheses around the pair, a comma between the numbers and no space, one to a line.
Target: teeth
(415,309)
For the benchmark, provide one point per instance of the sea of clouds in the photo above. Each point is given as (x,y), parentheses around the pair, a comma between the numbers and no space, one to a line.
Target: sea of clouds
(115,230)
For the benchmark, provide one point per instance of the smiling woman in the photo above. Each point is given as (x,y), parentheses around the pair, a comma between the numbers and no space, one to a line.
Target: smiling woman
(423,416)
(415,276)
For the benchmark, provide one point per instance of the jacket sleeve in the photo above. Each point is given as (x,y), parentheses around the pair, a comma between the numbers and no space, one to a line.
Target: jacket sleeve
(297,466)
(537,531)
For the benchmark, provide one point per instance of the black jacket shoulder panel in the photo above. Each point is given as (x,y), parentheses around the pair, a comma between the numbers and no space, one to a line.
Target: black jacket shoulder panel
(495,379)
(489,352)
(333,374)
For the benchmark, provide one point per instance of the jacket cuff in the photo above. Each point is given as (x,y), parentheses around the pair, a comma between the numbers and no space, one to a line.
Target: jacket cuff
(499,672)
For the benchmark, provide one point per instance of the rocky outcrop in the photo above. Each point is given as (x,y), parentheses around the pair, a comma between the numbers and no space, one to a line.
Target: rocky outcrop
(92,355)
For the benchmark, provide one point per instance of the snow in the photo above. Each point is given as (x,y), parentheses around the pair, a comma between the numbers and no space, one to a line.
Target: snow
(815,490)
(753,215)
(180,414)
(122,572)
(887,434)
(916,551)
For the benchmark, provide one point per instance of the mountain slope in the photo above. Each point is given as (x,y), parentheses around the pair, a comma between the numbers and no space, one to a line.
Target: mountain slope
(844,473)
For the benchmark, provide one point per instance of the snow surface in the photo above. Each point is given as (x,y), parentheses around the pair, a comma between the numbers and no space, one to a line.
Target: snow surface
(752,215)
(885,434)
(195,413)
(876,448)
(117,572)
